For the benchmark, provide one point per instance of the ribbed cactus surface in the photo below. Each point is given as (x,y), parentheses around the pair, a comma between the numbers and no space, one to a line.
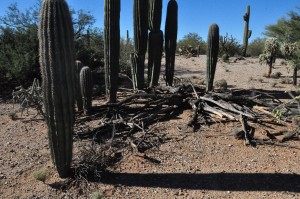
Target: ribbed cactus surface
(212,55)
(57,60)
(155,44)
(78,67)
(247,32)
(154,57)
(86,87)
(154,15)
(111,47)
(171,28)
(140,23)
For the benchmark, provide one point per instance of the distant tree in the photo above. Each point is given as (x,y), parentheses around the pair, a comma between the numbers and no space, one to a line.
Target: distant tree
(19,44)
(256,47)
(194,41)
(286,29)
(229,45)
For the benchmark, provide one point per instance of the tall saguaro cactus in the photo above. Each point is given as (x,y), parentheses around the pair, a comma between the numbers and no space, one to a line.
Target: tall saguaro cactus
(171,28)
(247,32)
(140,23)
(155,44)
(212,55)
(111,47)
(57,60)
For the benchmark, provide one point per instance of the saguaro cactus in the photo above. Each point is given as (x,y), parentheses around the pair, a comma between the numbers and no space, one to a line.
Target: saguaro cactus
(212,55)
(140,23)
(57,60)
(78,67)
(112,47)
(247,32)
(86,87)
(155,44)
(171,28)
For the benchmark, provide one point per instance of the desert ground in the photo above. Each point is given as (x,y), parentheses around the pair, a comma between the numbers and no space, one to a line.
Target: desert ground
(181,162)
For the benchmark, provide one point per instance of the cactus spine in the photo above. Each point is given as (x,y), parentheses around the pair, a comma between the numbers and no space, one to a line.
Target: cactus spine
(247,32)
(86,87)
(155,44)
(111,47)
(170,40)
(140,23)
(57,58)
(78,67)
(212,55)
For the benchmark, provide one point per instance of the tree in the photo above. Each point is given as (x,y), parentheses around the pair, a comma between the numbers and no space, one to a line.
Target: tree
(286,29)
(256,47)
(229,45)
(192,40)
(19,44)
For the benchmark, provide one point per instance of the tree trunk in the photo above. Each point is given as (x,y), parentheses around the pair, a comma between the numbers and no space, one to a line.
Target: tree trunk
(270,70)
(295,76)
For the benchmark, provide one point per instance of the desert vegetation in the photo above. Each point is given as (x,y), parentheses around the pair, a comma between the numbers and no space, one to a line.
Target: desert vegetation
(100,103)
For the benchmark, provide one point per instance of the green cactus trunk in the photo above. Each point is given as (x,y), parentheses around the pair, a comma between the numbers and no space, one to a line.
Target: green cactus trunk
(79,103)
(212,55)
(247,32)
(155,44)
(171,28)
(154,59)
(140,15)
(86,87)
(57,60)
(112,47)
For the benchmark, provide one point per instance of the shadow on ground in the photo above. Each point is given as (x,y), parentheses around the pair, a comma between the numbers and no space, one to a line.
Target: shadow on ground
(210,181)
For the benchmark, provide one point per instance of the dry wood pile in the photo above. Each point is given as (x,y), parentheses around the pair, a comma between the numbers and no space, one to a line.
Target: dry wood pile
(253,113)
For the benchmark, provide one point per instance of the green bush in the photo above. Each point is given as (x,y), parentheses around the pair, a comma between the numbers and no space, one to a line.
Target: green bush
(256,47)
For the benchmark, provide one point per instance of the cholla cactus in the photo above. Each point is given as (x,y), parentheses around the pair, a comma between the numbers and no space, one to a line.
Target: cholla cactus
(269,55)
(291,51)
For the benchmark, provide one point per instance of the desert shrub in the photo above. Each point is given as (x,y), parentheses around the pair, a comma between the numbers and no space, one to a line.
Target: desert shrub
(97,195)
(12,115)
(229,46)
(276,75)
(256,47)
(260,80)
(225,57)
(126,47)
(193,41)
(250,78)
(286,80)
(221,84)
(41,174)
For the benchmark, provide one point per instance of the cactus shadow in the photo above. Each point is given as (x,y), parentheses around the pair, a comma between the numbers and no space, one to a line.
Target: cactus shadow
(208,181)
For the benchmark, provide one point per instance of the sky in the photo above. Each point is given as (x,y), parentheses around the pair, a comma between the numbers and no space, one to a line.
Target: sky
(194,16)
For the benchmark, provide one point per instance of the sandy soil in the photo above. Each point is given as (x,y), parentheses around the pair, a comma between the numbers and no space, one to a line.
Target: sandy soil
(209,163)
